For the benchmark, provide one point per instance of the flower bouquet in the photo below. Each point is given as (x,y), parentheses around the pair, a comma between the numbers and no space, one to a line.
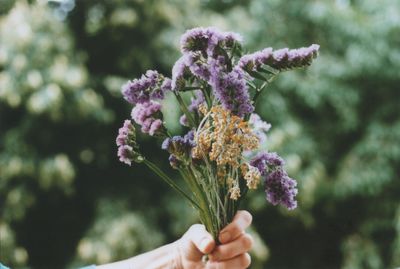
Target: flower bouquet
(219,157)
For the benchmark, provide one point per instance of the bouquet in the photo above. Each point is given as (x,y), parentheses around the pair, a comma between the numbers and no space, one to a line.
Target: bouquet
(218,158)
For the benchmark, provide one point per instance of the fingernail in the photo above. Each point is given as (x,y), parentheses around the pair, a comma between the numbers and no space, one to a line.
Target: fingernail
(224,237)
(204,244)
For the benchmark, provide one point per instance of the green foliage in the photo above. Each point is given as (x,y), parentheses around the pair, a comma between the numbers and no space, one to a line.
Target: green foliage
(337,124)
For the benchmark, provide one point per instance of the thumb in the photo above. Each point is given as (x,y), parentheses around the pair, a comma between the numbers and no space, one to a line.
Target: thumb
(197,242)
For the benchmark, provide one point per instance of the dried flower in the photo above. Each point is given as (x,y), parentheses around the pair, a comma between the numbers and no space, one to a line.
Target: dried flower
(281,189)
(232,91)
(281,59)
(252,177)
(149,86)
(179,147)
(148,115)
(180,72)
(227,140)
(265,161)
(128,150)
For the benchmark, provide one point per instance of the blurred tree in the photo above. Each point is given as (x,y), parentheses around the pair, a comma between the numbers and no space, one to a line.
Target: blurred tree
(338,125)
(48,118)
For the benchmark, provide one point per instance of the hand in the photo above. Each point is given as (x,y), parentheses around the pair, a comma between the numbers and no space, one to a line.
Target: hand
(231,254)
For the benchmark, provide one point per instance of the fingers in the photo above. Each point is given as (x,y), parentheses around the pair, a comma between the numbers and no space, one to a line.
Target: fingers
(200,238)
(232,249)
(233,230)
(241,261)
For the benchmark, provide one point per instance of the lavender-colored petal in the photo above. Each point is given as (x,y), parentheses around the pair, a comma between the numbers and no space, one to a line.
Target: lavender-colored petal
(281,189)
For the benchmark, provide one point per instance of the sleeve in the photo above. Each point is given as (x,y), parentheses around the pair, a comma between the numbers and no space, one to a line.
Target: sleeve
(2,266)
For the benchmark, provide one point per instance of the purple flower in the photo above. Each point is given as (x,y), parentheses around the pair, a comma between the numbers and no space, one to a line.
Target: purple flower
(251,62)
(150,86)
(201,39)
(281,189)
(173,161)
(148,115)
(127,146)
(266,161)
(205,40)
(198,65)
(125,154)
(281,59)
(124,132)
(179,147)
(231,90)
(180,71)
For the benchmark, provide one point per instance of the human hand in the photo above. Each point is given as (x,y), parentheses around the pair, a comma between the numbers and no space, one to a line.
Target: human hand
(231,253)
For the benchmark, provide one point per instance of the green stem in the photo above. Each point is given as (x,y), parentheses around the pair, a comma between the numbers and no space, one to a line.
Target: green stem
(205,204)
(185,109)
(169,181)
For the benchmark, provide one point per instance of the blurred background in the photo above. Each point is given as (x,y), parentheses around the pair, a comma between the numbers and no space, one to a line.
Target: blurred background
(65,199)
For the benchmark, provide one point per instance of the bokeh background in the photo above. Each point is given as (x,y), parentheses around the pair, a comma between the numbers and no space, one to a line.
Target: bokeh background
(66,201)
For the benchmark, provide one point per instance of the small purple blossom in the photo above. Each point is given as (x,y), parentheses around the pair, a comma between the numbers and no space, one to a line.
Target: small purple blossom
(126,142)
(179,147)
(265,161)
(232,91)
(148,116)
(148,87)
(281,59)
(281,189)
(251,62)
(198,65)
(205,40)
(173,161)
(125,154)
(180,71)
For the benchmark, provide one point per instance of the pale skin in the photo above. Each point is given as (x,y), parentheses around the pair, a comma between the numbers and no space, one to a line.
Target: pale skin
(188,251)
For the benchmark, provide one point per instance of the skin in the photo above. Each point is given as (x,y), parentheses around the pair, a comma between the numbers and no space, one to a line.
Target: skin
(188,251)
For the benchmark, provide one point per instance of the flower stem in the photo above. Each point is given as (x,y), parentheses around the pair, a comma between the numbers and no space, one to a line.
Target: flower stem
(169,181)
(185,109)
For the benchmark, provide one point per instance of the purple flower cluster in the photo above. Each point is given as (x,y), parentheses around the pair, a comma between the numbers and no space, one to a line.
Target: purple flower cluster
(180,71)
(126,142)
(232,91)
(281,59)
(150,86)
(148,115)
(206,40)
(279,187)
(179,147)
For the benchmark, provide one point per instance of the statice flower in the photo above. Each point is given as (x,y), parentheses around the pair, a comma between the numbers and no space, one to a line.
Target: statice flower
(282,59)
(281,189)
(180,71)
(266,161)
(179,147)
(148,87)
(198,65)
(232,91)
(253,61)
(207,40)
(148,116)
(127,146)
